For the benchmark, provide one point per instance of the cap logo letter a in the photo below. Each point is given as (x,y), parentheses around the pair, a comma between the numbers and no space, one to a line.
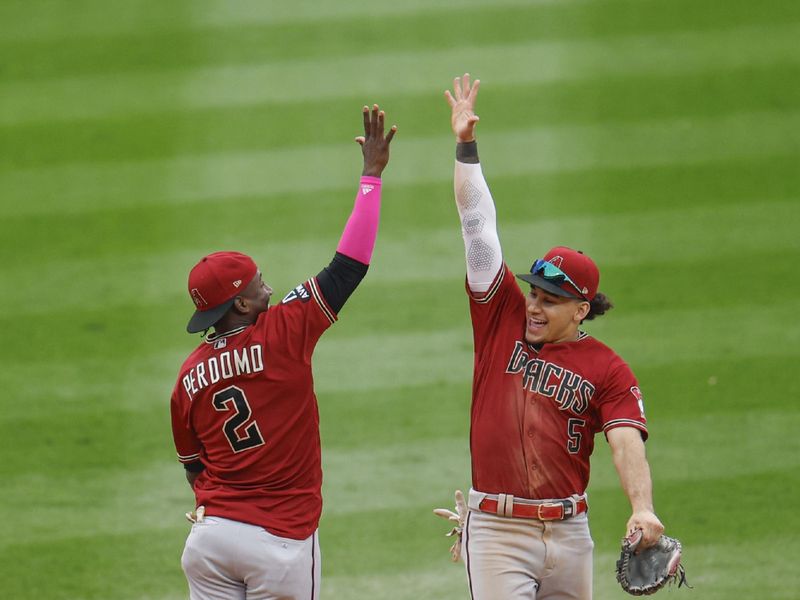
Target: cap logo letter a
(556,261)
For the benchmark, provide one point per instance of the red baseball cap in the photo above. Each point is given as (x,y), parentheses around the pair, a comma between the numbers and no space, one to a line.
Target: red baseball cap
(214,283)
(569,273)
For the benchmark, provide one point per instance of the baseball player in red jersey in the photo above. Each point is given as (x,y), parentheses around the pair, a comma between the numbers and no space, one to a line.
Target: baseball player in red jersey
(244,415)
(542,389)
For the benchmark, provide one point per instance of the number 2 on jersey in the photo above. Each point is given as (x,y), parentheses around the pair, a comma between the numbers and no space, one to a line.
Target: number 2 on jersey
(241,436)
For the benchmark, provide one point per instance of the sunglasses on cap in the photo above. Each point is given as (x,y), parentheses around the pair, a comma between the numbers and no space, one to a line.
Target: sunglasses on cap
(548,271)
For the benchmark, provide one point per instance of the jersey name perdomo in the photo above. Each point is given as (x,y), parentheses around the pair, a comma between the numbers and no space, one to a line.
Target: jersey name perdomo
(227,365)
(569,390)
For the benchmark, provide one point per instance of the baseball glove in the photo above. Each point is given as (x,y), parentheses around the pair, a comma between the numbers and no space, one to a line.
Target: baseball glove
(197,515)
(458,517)
(646,572)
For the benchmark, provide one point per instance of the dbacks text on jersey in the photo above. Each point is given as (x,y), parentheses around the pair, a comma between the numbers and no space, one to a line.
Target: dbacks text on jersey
(569,390)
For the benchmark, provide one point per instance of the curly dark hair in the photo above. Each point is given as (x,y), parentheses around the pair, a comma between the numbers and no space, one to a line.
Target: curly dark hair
(599,305)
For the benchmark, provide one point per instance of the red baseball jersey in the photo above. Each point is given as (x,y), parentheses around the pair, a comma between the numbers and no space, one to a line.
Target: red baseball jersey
(535,411)
(244,405)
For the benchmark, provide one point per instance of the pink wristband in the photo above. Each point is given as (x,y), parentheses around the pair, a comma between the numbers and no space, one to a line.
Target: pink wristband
(358,238)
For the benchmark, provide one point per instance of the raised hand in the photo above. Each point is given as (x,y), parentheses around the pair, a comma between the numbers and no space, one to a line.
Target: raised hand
(374,145)
(462,105)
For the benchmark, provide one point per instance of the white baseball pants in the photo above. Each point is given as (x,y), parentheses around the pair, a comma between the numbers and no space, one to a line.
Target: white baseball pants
(229,560)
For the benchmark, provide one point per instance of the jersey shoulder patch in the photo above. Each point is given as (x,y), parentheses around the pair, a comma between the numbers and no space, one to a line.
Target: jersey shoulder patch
(298,293)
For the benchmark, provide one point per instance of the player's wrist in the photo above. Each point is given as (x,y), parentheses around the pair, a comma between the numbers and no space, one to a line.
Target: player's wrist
(467,152)
(640,505)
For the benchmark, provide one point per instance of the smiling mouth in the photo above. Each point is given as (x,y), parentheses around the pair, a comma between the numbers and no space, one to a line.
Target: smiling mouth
(536,324)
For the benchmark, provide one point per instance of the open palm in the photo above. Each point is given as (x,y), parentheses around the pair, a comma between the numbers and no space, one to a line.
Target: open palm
(462,105)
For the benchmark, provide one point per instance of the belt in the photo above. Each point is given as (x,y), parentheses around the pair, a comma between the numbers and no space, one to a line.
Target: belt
(505,505)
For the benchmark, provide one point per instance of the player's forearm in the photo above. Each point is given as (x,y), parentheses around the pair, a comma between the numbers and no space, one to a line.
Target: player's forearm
(361,230)
(190,477)
(632,467)
(478,216)
(339,280)
(193,471)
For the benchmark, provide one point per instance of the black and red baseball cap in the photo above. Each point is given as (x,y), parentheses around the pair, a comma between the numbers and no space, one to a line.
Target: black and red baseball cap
(214,283)
(565,272)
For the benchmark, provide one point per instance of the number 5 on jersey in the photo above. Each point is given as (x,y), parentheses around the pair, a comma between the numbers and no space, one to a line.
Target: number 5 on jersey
(241,434)
(575,436)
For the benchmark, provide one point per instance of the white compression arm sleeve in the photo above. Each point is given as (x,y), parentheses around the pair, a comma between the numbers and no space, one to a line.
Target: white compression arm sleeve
(478,226)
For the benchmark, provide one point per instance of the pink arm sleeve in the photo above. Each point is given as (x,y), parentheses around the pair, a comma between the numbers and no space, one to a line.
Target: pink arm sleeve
(358,238)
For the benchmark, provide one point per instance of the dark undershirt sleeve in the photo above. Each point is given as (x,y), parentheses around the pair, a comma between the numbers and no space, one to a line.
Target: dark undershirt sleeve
(339,279)
(195,467)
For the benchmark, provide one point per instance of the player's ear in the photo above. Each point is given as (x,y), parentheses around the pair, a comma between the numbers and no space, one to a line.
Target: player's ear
(581,311)
(240,305)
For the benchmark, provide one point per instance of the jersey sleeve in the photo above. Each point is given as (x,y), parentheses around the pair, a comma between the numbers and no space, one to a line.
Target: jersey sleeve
(503,300)
(621,403)
(300,319)
(187,445)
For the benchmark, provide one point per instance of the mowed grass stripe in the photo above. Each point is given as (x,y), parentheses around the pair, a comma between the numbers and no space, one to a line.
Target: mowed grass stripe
(400,549)
(411,541)
(651,339)
(191,179)
(123,427)
(54,385)
(252,41)
(398,72)
(88,565)
(399,413)
(708,564)
(120,429)
(711,565)
(598,12)
(254,128)
(442,580)
(741,440)
(390,359)
(726,385)
(521,199)
(92,18)
(429,572)
(406,475)
(425,256)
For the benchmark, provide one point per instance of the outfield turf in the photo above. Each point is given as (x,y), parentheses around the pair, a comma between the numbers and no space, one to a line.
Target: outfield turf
(661,136)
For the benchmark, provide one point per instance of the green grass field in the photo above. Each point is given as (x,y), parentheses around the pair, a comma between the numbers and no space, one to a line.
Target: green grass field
(661,136)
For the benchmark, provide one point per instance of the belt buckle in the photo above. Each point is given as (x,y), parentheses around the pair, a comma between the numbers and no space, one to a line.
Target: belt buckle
(548,505)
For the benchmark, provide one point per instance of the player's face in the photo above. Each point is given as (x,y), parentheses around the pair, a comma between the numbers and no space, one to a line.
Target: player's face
(552,318)
(257,294)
